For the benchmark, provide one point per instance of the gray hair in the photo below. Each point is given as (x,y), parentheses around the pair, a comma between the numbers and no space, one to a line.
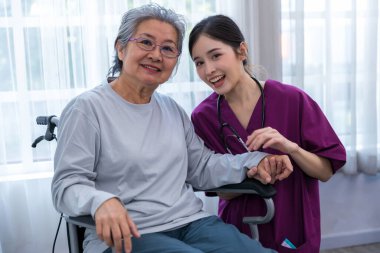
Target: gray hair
(132,19)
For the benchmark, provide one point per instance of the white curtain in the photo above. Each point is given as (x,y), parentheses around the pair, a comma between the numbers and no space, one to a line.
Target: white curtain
(331,49)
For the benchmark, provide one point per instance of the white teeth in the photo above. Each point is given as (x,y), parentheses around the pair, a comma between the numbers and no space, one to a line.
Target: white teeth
(215,79)
(150,67)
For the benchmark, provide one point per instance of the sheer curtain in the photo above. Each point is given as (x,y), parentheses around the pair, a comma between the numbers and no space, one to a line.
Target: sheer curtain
(331,49)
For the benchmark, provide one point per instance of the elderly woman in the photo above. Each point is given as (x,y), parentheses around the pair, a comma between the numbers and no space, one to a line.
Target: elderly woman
(130,157)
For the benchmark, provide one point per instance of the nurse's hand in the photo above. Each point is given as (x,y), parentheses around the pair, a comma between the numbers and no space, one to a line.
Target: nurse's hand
(114,226)
(270,138)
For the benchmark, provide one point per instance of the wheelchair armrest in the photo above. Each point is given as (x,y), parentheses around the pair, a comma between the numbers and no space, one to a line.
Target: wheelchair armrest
(249,186)
(252,186)
(76,227)
(85,221)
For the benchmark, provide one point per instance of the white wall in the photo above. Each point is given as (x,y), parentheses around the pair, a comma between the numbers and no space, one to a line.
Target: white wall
(350,206)
(28,220)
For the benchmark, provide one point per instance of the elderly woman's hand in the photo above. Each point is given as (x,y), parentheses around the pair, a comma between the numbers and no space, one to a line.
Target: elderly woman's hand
(271,168)
(114,226)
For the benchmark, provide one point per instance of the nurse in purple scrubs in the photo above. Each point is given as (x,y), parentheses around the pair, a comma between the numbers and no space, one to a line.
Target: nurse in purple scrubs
(244,114)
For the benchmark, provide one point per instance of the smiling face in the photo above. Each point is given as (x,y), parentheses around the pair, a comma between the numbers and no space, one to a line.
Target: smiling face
(217,64)
(148,68)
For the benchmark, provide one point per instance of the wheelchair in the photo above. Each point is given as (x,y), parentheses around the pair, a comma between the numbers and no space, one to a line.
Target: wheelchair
(76,226)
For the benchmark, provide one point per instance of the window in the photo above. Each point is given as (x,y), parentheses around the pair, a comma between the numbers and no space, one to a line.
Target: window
(332,49)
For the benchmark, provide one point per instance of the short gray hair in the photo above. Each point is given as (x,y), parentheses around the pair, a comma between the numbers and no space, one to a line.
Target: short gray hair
(132,19)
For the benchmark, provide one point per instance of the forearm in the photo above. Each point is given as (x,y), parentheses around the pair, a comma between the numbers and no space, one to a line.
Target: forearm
(78,199)
(313,165)
(217,170)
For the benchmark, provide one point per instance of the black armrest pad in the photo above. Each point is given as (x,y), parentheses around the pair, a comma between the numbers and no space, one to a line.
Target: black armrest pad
(249,186)
(83,221)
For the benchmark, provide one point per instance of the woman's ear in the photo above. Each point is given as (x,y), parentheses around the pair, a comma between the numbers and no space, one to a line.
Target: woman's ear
(243,51)
(120,51)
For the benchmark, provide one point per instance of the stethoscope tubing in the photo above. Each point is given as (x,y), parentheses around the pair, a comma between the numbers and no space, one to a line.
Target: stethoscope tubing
(225,124)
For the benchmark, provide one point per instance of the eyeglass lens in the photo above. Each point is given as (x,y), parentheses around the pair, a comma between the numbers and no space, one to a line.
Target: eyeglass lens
(167,49)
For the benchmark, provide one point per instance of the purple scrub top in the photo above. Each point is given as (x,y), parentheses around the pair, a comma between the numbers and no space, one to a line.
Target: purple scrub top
(299,118)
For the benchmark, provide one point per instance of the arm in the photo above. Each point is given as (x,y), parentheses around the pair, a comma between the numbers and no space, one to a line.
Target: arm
(73,186)
(303,132)
(313,165)
(279,164)
(210,170)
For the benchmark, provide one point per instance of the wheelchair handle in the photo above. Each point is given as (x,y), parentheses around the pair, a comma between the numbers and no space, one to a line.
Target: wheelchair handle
(46,120)
(51,122)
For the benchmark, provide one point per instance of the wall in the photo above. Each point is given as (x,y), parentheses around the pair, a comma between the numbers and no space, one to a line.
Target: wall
(28,220)
(350,207)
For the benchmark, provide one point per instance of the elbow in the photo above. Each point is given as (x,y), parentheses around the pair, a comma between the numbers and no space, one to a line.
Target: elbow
(326,171)
(56,200)
(57,195)
(326,176)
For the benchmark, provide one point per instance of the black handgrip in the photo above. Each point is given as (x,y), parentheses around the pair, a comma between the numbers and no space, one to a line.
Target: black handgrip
(42,120)
(51,122)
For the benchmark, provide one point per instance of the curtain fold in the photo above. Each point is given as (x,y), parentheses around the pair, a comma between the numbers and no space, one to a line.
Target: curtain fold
(260,22)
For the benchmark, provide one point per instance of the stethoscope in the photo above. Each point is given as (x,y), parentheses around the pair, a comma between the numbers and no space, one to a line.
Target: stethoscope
(223,125)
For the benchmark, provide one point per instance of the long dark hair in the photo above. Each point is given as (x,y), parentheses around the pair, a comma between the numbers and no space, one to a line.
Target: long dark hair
(218,27)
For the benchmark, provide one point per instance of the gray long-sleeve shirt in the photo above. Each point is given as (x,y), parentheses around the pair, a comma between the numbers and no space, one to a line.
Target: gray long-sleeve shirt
(147,155)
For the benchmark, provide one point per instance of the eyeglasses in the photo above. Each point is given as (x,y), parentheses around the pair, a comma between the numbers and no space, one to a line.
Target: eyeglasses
(167,49)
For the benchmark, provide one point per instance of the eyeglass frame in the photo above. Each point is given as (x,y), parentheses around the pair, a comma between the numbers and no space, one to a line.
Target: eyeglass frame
(154,45)
(224,124)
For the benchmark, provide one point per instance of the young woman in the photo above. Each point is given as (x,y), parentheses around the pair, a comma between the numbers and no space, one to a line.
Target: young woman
(129,156)
(269,116)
